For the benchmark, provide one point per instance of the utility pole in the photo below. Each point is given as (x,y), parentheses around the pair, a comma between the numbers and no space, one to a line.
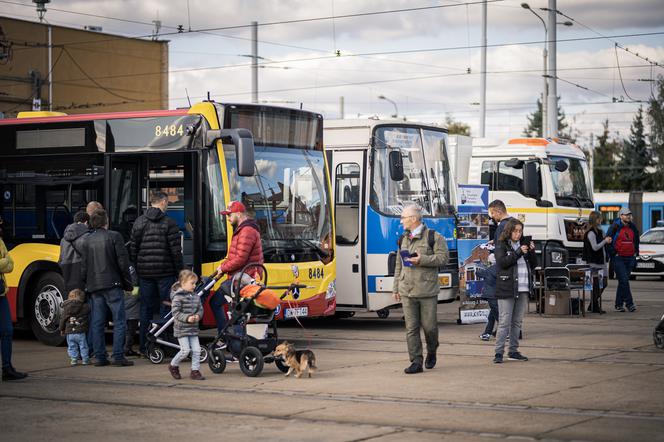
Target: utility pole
(483,73)
(552,75)
(254,62)
(341,107)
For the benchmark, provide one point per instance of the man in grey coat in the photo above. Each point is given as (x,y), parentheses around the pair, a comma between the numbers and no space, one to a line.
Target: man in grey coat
(416,286)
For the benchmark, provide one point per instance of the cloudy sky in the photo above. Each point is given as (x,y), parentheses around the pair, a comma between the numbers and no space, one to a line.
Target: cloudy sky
(420,59)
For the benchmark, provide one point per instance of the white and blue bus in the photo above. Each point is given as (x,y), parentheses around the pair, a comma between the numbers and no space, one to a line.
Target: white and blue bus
(647,207)
(369,196)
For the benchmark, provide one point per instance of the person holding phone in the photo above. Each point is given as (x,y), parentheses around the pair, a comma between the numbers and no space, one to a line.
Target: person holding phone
(515,261)
(416,285)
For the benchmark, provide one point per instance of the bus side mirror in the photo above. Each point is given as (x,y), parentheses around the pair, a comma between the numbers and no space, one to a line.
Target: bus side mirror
(514,163)
(531,180)
(396,165)
(244,147)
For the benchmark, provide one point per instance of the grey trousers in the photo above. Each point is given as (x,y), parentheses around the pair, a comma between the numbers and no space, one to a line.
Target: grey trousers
(420,313)
(511,313)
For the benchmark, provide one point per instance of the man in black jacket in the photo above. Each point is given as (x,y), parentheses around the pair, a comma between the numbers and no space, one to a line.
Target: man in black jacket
(157,254)
(105,272)
(70,251)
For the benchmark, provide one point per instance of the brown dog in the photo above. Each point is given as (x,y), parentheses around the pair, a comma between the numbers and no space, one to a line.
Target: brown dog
(298,360)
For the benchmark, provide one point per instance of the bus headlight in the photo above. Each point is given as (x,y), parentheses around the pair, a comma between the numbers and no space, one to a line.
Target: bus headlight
(331,290)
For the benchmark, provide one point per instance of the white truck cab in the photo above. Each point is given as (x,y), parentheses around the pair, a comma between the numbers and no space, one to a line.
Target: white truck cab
(544,183)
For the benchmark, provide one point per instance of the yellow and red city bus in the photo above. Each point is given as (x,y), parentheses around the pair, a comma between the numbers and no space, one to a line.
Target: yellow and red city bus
(269,158)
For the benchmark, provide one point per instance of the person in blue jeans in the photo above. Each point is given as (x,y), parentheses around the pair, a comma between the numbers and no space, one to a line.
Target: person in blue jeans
(625,248)
(156,252)
(74,324)
(105,271)
(488,273)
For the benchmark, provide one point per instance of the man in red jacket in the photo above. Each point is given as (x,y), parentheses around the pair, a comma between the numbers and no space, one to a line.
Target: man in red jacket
(245,248)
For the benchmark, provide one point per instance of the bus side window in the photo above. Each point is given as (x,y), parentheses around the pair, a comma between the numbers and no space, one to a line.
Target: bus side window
(347,204)
(488,174)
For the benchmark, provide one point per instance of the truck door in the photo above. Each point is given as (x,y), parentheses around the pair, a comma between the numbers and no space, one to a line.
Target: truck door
(348,184)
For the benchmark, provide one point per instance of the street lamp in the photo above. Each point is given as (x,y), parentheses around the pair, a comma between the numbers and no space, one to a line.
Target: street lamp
(396,109)
(545,93)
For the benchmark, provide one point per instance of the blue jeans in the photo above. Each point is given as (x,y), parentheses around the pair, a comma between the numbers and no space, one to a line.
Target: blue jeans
(493,315)
(187,344)
(152,290)
(112,299)
(217,302)
(6,332)
(77,345)
(623,266)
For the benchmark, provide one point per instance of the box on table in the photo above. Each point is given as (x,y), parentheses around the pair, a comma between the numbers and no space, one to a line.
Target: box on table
(556,302)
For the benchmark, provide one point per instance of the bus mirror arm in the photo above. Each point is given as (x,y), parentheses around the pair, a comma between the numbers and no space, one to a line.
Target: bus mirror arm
(244,147)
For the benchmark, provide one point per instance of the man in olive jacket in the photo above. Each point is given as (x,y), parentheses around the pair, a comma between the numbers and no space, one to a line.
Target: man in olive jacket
(416,286)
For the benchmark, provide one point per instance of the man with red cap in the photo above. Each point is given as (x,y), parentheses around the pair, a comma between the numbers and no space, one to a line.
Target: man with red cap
(245,248)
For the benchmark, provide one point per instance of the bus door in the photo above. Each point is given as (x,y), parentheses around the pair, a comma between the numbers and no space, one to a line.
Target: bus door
(134,177)
(348,169)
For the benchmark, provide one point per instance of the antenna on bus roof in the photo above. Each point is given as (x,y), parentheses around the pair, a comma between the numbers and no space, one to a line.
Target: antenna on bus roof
(208,95)
(300,105)
(187,92)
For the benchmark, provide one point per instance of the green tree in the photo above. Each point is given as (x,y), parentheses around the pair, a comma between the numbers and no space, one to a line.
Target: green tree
(456,127)
(636,158)
(656,122)
(534,128)
(605,161)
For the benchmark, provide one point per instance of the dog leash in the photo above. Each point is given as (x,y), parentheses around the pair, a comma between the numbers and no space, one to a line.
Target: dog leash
(304,330)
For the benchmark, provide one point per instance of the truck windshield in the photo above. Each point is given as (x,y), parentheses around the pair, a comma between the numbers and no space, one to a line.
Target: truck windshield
(426,171)
(572,186)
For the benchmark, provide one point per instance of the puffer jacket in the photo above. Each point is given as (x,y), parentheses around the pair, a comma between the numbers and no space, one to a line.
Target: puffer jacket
(155,245)
(420,281)
(75,317)
(70,255)
(6,266)
(183,305)
(245,248)
(507,285)
(104,262)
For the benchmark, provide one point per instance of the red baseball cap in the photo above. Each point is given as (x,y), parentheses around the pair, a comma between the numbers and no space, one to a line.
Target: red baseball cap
(234,207)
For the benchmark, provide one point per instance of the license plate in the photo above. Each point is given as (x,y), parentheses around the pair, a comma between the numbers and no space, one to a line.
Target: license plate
(645,265)
(296,312)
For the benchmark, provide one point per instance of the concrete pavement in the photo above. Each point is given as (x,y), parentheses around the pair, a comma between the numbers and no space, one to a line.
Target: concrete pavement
(596,378)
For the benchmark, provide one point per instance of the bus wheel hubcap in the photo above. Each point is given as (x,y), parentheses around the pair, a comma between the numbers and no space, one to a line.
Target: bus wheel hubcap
(47,308)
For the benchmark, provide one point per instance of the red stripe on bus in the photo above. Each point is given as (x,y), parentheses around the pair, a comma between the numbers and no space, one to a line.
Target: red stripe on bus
(12,294)
(90,117)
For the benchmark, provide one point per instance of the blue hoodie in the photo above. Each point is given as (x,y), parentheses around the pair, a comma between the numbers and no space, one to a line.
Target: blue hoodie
(489,276)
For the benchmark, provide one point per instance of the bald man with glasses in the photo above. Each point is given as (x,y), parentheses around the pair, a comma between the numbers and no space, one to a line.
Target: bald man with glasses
(416,286)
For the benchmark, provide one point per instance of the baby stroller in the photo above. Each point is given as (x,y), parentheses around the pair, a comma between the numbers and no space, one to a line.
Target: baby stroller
(234,342)
(658,334)
(161,341)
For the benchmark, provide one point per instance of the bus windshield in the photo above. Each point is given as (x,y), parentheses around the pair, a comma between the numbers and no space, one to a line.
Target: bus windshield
(288,196)
(572,186)
(426,171)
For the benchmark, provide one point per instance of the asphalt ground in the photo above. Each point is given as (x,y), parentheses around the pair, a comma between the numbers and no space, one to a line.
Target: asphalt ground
(598,378)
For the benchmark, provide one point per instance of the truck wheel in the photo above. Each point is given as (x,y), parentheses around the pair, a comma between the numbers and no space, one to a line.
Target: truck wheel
(45,308)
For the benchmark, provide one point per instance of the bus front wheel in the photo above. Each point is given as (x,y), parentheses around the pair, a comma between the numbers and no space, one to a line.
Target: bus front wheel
(48,294)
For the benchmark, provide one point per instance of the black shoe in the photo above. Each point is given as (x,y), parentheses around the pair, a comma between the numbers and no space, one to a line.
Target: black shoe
(498,359)
(122,363)
(620,309)
(415,367)
(516,356)
(131,353)
(430,361)
(632,308)
(102,363)
(10,374)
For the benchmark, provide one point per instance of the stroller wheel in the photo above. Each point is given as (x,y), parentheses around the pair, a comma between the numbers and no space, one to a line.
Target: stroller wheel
(251,361)
(216,360)
(204,354)
(281,365)
(155,354)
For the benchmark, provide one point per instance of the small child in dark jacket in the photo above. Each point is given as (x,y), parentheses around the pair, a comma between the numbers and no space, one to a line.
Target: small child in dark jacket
(187,310)
(74,324)
(488,273)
